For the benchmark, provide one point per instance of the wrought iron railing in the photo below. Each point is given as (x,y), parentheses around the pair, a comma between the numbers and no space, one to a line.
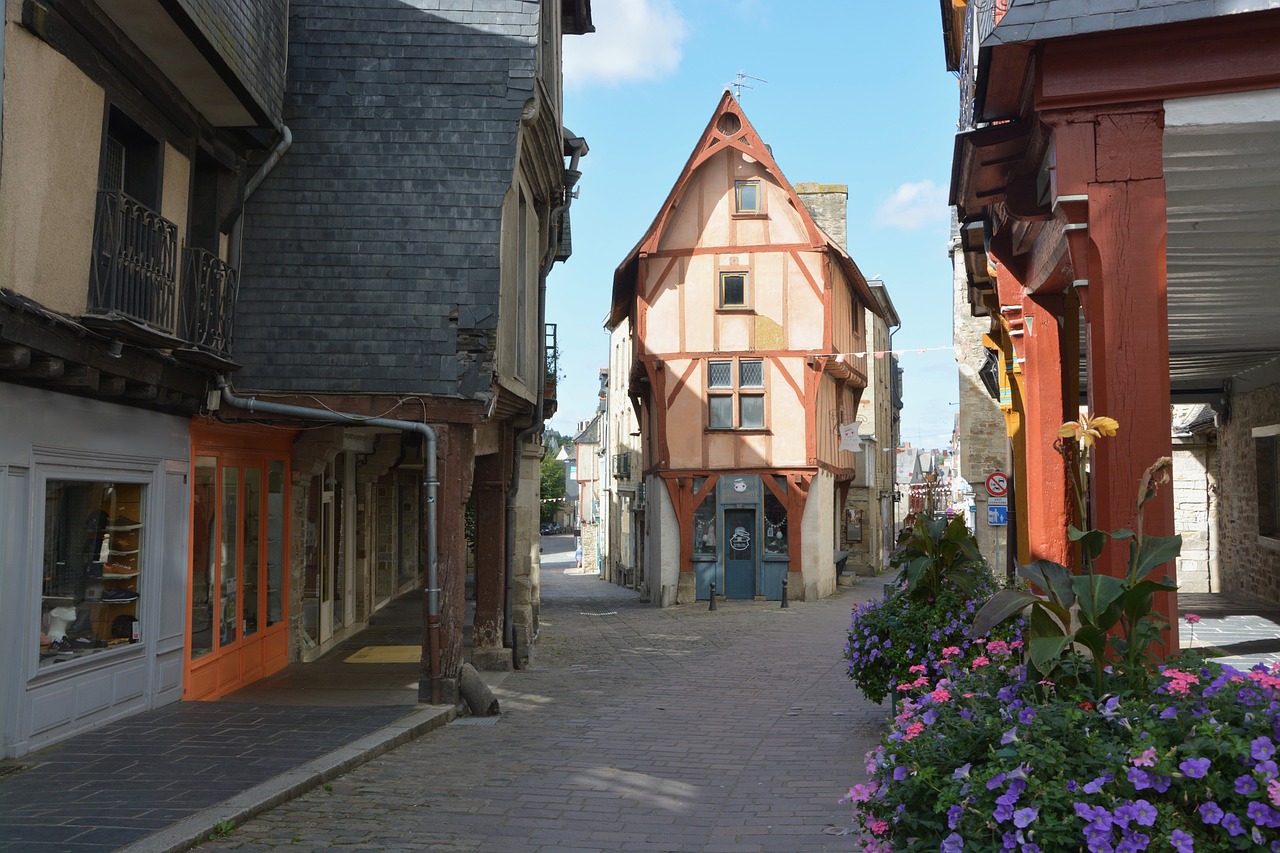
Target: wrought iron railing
(553,360)
(209,287)
(135,253)
(979,20)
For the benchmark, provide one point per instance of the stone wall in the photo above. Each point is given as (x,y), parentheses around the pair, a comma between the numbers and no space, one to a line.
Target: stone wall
(1250,564)
(1194,511)
(980,426)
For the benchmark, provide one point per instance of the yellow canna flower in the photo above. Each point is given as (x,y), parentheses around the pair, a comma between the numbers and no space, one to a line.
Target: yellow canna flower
(1087,430)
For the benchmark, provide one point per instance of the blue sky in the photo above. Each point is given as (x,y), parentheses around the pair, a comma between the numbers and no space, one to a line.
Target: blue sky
(857,93)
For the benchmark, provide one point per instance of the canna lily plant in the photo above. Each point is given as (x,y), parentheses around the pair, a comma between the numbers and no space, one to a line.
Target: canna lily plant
(1083,625)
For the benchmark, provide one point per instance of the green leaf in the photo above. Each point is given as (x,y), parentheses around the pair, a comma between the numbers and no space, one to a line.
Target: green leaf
(914,571)
(1137,600)
(998,608)
(1053,578)
(1092,542)
(1122,534)
(1096,595)
(1154,551)
(1094,639)
(1047,639)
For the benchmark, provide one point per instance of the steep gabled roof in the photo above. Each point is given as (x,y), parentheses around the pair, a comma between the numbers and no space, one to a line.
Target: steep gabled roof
(728,128)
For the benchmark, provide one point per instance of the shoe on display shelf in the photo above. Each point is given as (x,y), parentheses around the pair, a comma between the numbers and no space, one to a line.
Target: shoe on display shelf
(114,571)
(123,522)
(118,596)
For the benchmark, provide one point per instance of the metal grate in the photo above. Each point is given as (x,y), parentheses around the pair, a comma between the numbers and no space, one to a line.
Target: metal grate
(7,770)
(476,721)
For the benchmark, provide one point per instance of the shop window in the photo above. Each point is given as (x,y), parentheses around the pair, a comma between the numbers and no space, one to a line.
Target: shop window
(735,401)
(93,562)
(1266,446)
(746,197)
(704,523)
(775,526)
(204,554)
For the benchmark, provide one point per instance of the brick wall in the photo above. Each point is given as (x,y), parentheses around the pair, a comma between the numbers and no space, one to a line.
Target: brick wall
(1250,566)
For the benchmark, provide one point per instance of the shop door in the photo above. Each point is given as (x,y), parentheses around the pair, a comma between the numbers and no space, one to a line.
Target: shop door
(740,553)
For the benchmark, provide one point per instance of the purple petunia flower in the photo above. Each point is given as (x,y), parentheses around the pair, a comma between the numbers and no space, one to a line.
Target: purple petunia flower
(1024,817)
(900,773)
(1268,770)
(953,843)
(1140,779)
(1169,713)
(1096,785)
(1144,813)
(995,781)
(1160,783)
(1009,736)
(962,772)
(1182,842)
(1232,824)
(1261,748)
(1245,785)
(1195,768)
(1263,815)
(1210,813)
(954,814)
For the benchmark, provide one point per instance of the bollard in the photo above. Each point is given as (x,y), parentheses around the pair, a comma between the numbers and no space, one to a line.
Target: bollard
(784,592)
(713,596)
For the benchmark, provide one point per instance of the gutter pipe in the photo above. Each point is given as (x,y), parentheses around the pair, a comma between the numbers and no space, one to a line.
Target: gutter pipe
(430,481)
(577,148)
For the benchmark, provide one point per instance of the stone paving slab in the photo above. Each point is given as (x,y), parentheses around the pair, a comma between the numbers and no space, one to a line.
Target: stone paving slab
(635,729)
(121,783)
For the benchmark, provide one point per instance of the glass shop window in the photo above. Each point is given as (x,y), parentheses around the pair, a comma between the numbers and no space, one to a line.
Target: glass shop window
(704,527)
(93,548)
(775,526)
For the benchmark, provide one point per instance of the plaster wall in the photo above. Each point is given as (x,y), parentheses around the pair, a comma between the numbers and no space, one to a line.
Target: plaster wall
(49,166)
(818,529)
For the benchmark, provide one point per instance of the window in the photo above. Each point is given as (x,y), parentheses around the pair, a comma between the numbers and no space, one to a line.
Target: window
(704,522)
(746,196)
(93,541)
(733,290)
(735,404)
(1266,445)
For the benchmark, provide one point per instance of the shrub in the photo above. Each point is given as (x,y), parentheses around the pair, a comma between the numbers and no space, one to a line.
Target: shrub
(975,761)
(898,640)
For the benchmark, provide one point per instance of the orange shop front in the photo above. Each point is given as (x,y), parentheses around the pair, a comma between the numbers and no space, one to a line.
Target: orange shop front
(238,606)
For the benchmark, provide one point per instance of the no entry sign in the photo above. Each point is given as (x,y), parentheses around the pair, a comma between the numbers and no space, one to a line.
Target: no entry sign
(997,484)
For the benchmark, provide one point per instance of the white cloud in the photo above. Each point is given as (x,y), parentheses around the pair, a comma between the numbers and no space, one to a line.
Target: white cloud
(914,205)
(634,40)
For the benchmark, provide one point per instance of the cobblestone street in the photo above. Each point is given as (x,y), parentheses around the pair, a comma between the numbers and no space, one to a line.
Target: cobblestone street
(635,729)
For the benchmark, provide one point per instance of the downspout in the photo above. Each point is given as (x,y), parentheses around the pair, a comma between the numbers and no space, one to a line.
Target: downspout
(430,481)
(577,148)
(237,230)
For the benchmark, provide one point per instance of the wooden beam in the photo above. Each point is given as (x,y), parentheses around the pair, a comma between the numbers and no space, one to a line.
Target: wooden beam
(43,367)
(14,357)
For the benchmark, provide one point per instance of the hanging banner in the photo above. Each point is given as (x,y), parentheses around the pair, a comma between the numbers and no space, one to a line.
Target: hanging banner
(849,438)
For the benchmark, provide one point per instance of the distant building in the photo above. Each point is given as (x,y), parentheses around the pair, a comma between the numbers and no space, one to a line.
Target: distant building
(749,342)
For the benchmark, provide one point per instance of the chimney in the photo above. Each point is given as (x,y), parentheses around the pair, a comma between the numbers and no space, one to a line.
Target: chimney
(827,204)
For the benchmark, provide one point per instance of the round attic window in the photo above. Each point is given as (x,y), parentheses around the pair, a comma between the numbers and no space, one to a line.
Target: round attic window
(729,124)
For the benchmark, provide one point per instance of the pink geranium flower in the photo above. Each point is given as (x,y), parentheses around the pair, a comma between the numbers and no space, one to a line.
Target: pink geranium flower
(980,661)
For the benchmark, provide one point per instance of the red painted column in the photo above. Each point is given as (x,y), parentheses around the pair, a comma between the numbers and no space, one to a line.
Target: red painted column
(1045,409)
(1115,157)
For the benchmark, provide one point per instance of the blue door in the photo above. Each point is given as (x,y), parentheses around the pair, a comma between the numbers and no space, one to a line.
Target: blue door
(740,553)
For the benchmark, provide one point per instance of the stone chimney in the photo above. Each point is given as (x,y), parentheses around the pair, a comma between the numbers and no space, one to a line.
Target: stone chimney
(828,205)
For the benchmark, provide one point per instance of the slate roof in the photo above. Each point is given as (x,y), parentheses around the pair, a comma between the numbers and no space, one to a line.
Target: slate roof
(1037,20)
(249,36)
(371,251)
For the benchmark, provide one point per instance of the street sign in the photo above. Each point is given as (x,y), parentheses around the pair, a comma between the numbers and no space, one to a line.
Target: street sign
(997,501)
(997,484)
(998,516)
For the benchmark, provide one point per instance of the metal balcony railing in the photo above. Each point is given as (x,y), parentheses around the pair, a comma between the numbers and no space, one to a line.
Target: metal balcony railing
(980,19)
(135,258)
(209,287)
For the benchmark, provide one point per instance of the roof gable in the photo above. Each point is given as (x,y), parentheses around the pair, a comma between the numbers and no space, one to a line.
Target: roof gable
(729,128)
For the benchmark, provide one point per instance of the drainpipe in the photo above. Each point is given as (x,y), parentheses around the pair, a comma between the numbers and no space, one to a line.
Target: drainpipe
(429,480)
(578,148)
(237,235)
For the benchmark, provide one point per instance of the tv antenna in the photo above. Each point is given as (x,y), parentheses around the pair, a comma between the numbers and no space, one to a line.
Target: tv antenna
(739,83)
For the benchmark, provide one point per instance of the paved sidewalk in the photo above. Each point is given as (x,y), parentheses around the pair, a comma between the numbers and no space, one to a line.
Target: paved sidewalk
(636,729)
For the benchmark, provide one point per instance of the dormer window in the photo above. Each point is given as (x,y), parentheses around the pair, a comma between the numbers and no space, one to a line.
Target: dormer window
(746,196)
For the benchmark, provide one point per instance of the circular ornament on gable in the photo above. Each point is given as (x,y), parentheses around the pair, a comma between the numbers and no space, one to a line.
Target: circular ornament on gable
(729,124)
